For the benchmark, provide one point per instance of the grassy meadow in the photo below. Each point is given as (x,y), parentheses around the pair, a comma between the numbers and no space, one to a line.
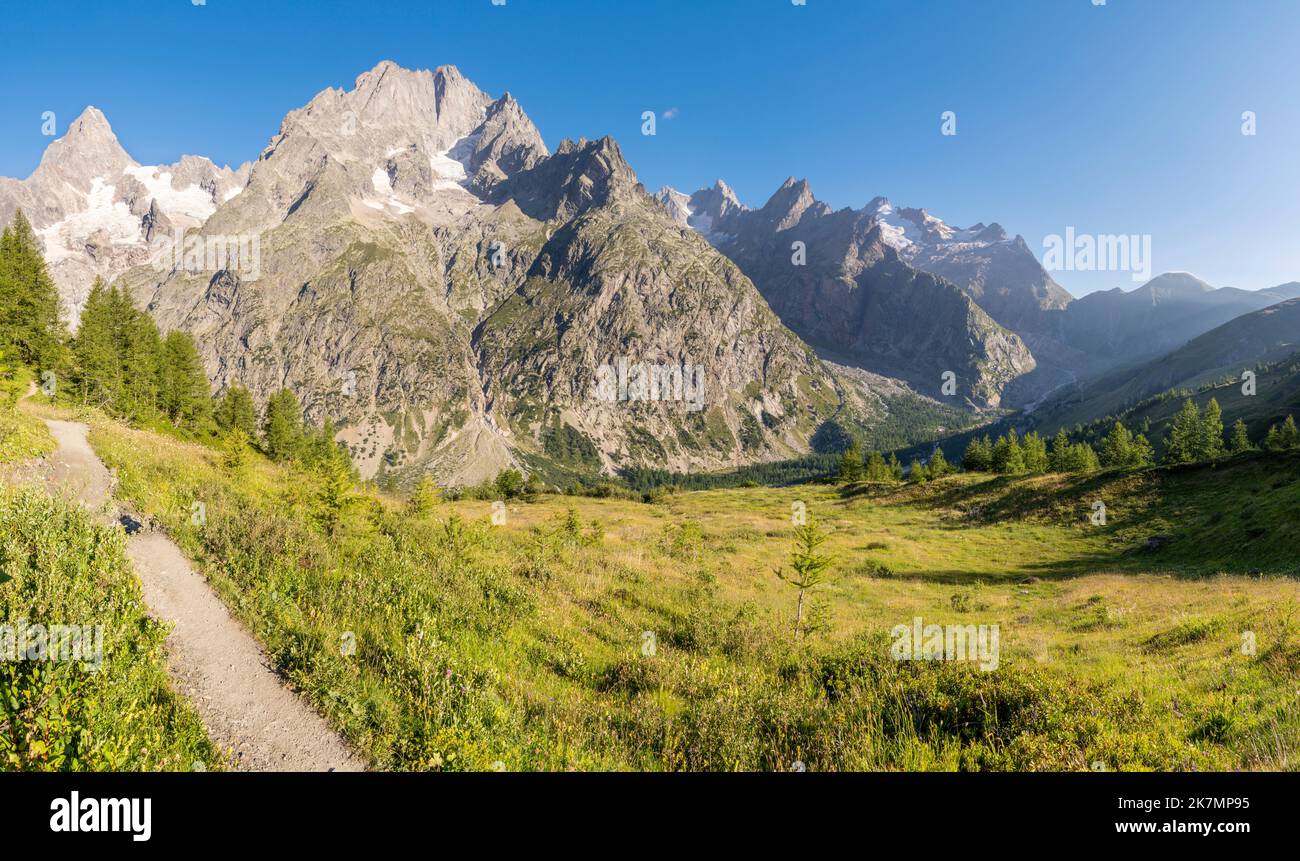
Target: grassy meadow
(115,711)
(589,633)
(22,435)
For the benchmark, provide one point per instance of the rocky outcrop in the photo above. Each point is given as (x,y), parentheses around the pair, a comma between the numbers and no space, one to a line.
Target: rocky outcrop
(840,280)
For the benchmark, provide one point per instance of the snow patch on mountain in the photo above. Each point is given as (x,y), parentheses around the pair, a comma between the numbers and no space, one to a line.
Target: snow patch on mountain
(66,239)
(192,201)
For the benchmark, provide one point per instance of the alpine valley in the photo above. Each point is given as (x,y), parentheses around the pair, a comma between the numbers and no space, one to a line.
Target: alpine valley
(448,291)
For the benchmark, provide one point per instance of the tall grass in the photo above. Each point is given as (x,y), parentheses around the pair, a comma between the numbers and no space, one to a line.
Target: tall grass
(59,568)
(561,640)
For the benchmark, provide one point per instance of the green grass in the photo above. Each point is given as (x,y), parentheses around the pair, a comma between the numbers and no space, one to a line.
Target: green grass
(58,568)
(527,645)
(22,436)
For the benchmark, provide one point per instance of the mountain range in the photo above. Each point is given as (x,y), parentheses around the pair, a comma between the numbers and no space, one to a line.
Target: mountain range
(459,298)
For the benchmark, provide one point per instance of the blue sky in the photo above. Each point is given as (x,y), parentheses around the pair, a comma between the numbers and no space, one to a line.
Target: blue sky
(1122,118)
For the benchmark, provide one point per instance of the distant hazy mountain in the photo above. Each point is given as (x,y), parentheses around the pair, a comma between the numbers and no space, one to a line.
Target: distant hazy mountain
(1248,342)
(1159,316)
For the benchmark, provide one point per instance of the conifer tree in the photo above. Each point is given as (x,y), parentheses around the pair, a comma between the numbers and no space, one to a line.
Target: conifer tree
(1141,453)
(1058,460)
(426,498)
(1033,451)
(939,466)
(808,565)
(916,472)
(1290,438)
(97,370)
(1008,459)
(1186,435)
(1282,437)
(1211,446)
(236,411)
(184,383)
(1117,447)
(236,450)
(282,433)
(1240,441)
(337,482)
(140,357)
(877,469)
(850,469)
(30,323)
(979,455)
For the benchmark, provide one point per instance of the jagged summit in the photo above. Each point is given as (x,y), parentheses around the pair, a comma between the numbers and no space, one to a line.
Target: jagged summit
(88,150)
(96,210)
(418,237)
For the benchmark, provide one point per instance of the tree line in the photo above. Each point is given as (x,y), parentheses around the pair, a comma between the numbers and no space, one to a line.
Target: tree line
(1194,436)
(119,361)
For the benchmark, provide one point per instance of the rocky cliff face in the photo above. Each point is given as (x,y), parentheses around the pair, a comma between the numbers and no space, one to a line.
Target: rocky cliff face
(98,212)
(845,282)
(460,299)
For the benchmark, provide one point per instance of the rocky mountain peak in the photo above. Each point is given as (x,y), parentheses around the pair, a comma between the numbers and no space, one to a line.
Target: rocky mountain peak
(581,174)
(717,203)
(507,139)
(992,233)
(88,151)
(784,209)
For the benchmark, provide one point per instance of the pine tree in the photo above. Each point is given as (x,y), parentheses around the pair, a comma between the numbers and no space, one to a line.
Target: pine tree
(978,456)
(1186,436)
(282,433)
(809,565)
(140,357)
(426,498)
(850,469)
(185,395)
(1240,441)
(1290,438)
(1008,459)
(1141,453)
(1083,458)
(1117,447)
(916,472)
(938,464)
(337,482)
(30,324)
(1273,439)
(1058,461)
(1283,437)
(1211,446)
(877,469)
(1033,451)
(895,467)
(236,411)
(97,370)
(320,447)
(236,450)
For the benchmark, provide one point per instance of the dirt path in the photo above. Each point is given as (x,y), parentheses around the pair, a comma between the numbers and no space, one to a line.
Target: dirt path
(214,661)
